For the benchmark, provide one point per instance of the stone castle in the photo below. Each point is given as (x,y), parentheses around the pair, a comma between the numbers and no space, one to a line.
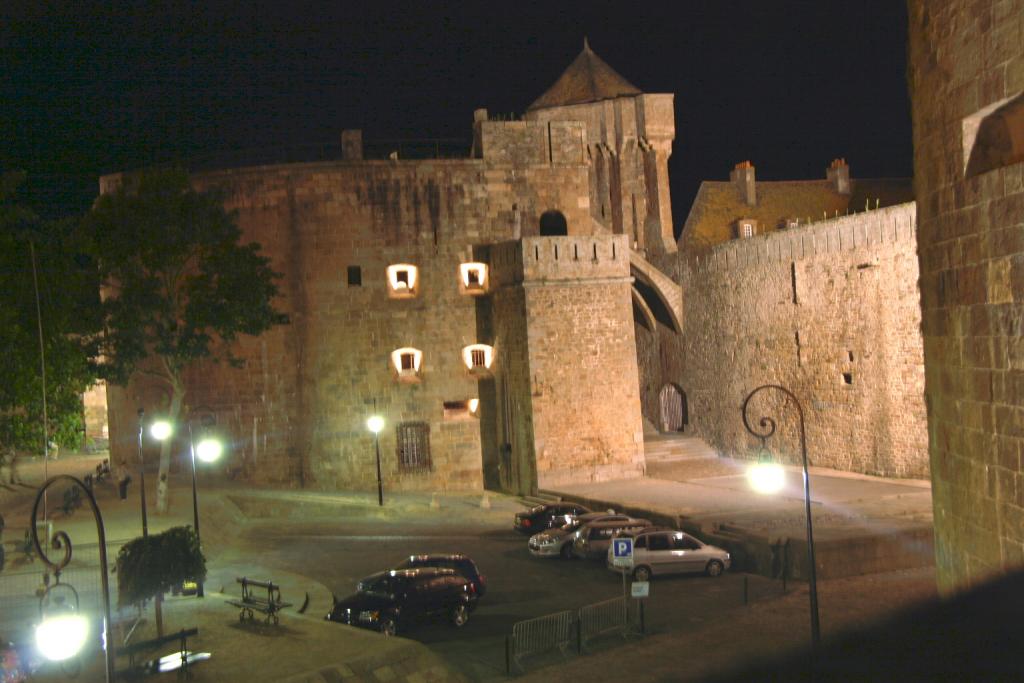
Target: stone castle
(524,317)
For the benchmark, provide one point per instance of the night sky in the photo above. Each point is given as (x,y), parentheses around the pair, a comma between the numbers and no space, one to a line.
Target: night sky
(91,88)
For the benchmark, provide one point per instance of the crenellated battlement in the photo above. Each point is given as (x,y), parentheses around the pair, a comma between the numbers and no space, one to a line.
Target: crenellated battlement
(560,259)
(863,230)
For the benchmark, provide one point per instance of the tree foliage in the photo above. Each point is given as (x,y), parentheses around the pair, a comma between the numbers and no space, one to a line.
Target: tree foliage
(152,565)
(176,279)
(68,304)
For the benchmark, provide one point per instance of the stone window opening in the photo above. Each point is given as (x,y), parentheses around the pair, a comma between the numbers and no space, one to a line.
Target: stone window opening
(473,278)
(575,252)
(478,358)
(848,378)
(459,410)
(407,362)
(553,224)
(413,446)
(403,281)
(849,355)
(355,276)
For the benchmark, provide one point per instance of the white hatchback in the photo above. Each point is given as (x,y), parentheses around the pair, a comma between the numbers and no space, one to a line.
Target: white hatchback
(664,551)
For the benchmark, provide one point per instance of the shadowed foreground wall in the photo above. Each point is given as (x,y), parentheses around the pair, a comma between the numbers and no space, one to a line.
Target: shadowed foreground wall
(966,56)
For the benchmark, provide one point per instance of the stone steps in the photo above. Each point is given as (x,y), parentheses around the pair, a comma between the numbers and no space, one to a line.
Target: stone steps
(665,448)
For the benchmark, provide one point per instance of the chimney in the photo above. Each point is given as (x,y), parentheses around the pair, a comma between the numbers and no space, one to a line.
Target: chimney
(743,176)
(838,173)
(352,145)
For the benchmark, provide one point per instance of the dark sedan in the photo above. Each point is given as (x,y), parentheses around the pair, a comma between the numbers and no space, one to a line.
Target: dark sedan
(462,565)
(394,600)
(542,517)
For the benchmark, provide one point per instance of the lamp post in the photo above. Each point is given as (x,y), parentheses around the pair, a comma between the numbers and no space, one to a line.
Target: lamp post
(62,637)
(375,424)
(768,425)
(209,450)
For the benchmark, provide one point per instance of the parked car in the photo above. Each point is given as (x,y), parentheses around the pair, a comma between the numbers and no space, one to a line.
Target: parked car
(558,542)
(462,565)
(592,540)
(541,517)
(394,600)
(666,551)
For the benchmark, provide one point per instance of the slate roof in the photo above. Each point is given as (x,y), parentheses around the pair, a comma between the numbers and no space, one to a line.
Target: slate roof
(719,205)
(588,79)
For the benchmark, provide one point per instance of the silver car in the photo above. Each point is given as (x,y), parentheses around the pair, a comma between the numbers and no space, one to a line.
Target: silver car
(665,551)
(558,542)
(592,540)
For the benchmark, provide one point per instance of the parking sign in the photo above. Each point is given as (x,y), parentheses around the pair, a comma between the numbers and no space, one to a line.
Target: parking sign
(622,552)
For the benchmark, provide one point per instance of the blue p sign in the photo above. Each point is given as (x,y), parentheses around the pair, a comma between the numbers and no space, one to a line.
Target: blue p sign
(623,547)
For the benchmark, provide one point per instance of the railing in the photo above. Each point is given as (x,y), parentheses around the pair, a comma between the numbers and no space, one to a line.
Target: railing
(562,630)
(601,618)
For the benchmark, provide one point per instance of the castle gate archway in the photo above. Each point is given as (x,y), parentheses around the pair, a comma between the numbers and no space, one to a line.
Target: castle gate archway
(674,411)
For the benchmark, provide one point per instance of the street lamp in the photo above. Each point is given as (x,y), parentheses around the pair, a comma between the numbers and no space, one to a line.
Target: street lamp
(208,450)
(768,477)
(63,636)
(376,423)
(159,430)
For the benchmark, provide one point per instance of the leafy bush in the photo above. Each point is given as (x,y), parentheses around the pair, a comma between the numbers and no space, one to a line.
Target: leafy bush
(151,565)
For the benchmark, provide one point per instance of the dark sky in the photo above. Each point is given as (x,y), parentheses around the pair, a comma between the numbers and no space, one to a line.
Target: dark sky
(89,88)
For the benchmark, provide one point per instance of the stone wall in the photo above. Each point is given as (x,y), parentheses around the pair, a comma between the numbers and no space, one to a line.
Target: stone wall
(578,360)
(965,57)
(829,310)
(296,412)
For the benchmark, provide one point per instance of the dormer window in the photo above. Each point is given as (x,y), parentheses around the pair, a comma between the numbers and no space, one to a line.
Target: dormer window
(402,281)
(473,278)
(406,362)
(478,358)
(746,227)
(792,223)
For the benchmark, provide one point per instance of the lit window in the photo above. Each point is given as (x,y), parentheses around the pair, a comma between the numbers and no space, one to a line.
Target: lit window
(748,230)
(402,280)
(473,278)
(406,362)
(478,357)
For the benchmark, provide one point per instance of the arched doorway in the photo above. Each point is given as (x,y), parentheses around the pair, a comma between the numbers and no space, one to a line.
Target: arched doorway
(674,412)
(552,224)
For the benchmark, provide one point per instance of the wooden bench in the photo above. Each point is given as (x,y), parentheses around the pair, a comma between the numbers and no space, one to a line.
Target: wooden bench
(255,601)
(181,636)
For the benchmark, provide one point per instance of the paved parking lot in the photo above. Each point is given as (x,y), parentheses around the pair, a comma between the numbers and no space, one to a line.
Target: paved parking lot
(519,586)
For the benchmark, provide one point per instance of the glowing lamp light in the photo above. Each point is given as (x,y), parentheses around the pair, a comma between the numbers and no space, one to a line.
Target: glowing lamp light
(402,285)
(468,270)
(473,404)
(482,352)
(160,430)
(62,637)
(375,424)
(209,450)
(766,477)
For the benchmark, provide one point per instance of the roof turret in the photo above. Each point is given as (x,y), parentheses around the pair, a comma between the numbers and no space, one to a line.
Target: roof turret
(588,79)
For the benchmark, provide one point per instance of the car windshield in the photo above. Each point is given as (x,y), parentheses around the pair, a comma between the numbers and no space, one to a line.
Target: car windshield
(407,563)
(571,526)
(537,509)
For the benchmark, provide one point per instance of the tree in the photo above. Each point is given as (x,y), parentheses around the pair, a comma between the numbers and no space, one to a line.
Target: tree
(149,566)
(177,284)
(68,313)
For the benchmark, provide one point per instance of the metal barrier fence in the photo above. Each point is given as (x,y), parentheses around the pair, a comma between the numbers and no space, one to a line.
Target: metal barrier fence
(601,618)
(563,629)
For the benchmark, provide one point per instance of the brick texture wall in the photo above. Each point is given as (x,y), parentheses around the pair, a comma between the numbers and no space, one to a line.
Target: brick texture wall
(829,310)
(966,55)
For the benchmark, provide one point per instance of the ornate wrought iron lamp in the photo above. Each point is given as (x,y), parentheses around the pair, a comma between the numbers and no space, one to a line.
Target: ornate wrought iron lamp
(62,637)
(767,427)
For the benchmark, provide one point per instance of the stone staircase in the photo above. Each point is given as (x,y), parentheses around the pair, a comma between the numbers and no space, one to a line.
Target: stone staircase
(667,453)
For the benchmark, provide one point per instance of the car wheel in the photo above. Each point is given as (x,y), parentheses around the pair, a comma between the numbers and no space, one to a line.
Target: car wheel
(388,627)
(566,552)
(715,568)
(460,615)
(642,574)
